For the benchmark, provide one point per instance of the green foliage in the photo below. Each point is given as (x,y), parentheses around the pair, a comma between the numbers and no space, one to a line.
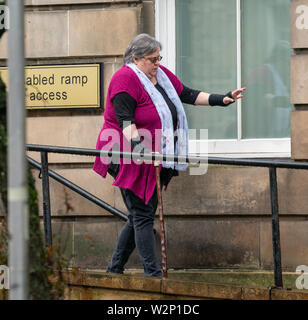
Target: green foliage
(3,141)
(3,145)
(46,263)
(3,174)
(3,181)
(3,242)
(40,287)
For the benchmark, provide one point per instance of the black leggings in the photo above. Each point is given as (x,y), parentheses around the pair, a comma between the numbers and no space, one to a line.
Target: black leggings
(137,232)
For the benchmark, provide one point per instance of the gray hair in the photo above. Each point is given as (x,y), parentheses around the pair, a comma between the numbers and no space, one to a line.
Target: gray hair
(140,46)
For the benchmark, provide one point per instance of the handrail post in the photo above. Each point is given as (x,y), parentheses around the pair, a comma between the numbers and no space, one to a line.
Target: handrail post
(275,227)
(46,199)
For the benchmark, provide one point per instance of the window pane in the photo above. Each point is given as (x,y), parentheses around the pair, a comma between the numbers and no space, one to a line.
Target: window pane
(206,60)
(265,68)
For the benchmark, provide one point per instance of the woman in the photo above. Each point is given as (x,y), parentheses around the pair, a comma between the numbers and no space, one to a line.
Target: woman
(145,99)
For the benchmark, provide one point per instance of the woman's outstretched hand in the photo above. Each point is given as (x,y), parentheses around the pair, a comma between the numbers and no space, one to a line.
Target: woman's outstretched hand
(236,94)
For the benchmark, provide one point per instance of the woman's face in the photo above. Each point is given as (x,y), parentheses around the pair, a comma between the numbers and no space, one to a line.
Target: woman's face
(149,64)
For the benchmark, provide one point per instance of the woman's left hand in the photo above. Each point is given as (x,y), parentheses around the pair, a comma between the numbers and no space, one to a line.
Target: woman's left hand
(236,94)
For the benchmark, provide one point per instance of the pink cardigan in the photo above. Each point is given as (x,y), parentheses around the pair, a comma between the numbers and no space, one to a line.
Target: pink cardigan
(139,178)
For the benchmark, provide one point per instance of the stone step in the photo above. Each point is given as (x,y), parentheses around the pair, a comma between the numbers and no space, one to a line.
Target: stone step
(99,285)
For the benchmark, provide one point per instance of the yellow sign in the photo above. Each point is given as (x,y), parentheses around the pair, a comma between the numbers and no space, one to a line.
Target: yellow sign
(62,86)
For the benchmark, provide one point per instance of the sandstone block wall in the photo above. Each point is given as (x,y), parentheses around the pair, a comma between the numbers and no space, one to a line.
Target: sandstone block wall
(299,79)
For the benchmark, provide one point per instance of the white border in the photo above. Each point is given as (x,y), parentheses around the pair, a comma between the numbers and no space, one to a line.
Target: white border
(238,148)
(165,31)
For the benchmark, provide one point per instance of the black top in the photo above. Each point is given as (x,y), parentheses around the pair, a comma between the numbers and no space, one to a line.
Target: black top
(170,104)
(125,105)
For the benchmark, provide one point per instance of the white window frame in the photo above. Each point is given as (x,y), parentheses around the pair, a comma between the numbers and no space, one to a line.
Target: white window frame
(237,148)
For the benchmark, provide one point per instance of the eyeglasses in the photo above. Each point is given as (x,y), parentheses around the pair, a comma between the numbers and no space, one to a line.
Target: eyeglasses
(154,59)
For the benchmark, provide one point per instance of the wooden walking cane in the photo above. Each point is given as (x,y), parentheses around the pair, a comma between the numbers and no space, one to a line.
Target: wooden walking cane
(161,220)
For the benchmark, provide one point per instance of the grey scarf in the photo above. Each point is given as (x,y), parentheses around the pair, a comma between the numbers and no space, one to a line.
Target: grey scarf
(168,146)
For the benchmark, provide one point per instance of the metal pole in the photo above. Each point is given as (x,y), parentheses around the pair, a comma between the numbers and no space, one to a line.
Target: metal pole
(17,179)
(159,157)
(275,227)
(46,199)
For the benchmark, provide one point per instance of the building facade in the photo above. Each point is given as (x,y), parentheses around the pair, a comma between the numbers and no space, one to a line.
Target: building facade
(221,219)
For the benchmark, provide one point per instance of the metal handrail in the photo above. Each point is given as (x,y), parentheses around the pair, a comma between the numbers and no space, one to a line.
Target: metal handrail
(80,190)
(271,164)
(159,157)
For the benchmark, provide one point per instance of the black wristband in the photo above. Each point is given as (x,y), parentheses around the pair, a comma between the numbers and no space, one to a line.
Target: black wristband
(217,99)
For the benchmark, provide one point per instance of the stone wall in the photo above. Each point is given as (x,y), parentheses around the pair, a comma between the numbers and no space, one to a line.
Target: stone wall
(299,79)
(218,220)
